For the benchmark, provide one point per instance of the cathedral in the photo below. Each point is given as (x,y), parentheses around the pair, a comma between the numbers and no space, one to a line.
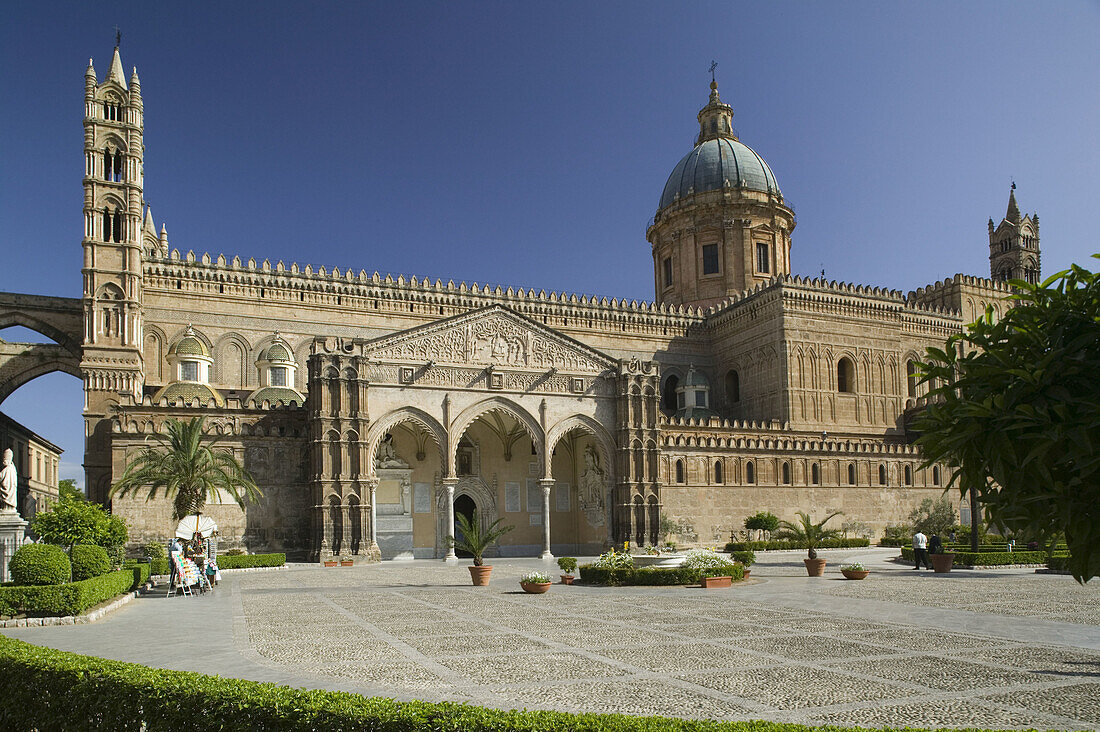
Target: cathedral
(372,409)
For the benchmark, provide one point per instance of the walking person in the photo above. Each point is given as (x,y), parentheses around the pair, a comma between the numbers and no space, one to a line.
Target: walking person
(920,550)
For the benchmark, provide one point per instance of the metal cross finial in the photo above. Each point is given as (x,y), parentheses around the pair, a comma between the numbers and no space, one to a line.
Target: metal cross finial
(713,66)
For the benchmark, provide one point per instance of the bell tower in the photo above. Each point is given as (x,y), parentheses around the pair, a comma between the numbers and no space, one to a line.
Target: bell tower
(1014,245)
(112,243)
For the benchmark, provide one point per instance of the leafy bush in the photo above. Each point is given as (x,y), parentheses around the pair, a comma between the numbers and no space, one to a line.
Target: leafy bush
(987,559)
(80,522)
(893,542)
(567,564)
(1059,562)
(612,559)
(70,598)
(745,556)
(163,566)
(235,552)
(713,564)
(762,521)
(244,561)
(154,550)
(654,576)
(934,516)
(40,564)
(780,544)
(89,560)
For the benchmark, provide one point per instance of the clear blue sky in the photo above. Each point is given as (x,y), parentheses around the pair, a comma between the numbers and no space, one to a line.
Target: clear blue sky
(527,145)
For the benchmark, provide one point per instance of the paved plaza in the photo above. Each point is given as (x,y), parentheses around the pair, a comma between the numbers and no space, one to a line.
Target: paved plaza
(996,648)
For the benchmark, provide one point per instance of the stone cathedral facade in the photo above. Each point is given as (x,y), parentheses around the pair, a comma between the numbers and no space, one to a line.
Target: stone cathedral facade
(371,409)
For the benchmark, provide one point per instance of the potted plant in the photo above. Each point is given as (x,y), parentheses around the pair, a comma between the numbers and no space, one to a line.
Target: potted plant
(535,583)
(942,561)
(747,558)
(332,562)
(569,566)
(854,571)
(811,534)
(717,570)
(475,540)
(347,561)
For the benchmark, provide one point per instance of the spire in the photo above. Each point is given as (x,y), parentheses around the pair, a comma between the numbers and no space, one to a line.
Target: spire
(150,227)
(1013,214)
(90,71)
(116,74)
(135,83)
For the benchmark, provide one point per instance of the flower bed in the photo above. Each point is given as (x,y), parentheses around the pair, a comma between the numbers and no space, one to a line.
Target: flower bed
(757,546)
(71,598)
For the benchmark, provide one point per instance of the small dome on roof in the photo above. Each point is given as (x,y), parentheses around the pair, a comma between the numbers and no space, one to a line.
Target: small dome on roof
(188,391)
(695,377)
(190,345)
(276,394)
(277,351)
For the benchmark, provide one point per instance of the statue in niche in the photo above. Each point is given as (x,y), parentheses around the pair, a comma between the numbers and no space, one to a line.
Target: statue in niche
(387,455)
(9,484)
(592,487)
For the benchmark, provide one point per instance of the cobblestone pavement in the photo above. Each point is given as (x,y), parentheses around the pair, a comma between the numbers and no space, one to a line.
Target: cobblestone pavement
(900,648)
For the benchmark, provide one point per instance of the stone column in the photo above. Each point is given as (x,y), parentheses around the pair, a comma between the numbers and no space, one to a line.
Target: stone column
(373,484)
(449,484)
(546,484)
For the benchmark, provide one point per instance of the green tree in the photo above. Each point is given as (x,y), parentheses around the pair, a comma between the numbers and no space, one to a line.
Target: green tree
(77,521)
(67,491)
(190,469)
(762,521)
(1016,414)
(805,530)
(933,516)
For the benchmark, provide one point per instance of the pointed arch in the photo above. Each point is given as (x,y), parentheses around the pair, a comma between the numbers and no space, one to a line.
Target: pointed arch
(472,413)
(382,426)
(232,356)
(587,424)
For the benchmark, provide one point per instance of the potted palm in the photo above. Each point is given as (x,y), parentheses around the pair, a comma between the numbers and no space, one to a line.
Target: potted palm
(475,540)
(569,566)
(811,534)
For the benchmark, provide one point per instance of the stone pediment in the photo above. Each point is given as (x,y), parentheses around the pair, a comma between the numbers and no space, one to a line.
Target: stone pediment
(493,336)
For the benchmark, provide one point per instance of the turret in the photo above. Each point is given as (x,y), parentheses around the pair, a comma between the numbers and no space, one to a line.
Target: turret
(1014,245)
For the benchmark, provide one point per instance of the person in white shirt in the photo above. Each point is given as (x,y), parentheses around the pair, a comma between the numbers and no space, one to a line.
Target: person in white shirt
(920,550)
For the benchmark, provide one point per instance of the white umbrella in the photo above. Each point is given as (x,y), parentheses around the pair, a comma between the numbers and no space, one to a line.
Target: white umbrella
(195,524)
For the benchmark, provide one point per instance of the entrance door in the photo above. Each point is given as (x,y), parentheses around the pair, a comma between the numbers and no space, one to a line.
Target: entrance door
(465,506)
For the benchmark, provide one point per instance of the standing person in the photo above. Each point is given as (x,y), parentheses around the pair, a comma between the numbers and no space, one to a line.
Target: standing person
(920,550)
(173,546)
(935,545)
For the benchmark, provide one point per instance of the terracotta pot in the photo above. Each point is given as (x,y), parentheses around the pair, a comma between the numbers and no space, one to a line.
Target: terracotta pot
(856,574)
(747,573)
(345,563)
(567,579)
(942,562)
(535,588)
(480,575)
(331,563)
(815,567)
(716,582)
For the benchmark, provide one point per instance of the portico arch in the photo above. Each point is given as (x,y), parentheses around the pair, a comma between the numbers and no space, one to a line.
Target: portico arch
(485,407)
(387,422)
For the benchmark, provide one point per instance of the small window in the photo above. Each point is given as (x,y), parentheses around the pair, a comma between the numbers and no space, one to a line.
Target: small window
(762,258)
(845,376)
(911,376)
(710,259)
(908,475)
(750,472)
(680,400)
(718,471)
(851,474)
(936,475)
(278,375)
(700,398)
(679,471)
(189,370)
(667,267)
(733,387)
(668,396)
(815,474)
(882,475)
(786,473)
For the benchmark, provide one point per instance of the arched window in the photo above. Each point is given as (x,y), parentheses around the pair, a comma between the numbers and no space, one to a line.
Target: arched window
(815,474)
(733,387)
(750,472)
(851,473)
(668,395)
(679,471)
(786,473)
(911,376)
(845,376)
(882,475)
(908,475)
(935,475)
(718,471)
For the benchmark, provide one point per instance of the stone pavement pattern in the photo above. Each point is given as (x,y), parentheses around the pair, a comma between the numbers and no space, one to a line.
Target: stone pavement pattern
(901,648)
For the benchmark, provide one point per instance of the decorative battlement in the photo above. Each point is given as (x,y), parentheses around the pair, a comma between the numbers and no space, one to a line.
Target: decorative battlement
(938,289)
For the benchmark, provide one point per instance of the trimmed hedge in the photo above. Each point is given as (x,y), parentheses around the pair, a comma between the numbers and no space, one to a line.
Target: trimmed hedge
(40,565)
(1059,562)
(987,559)
(243,561)
(758,546)
(89,561)
(651,576)
(893,542)
(48,689)
(746,557)
(70,598)
(158,565)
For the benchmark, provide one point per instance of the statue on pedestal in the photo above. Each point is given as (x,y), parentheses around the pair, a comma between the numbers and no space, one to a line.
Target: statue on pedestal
(9,485)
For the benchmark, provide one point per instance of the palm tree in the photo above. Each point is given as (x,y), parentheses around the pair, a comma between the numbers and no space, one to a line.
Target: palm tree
(473,538)
(189,469)
(806,530)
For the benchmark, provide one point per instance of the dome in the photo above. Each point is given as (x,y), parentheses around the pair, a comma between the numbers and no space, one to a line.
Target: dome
(276,394)
(190,345)
(714,162)
(189,391)
(276,352)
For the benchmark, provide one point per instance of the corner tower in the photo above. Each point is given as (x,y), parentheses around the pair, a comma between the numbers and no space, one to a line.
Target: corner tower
(112,243)
(1014,245)
(721,225)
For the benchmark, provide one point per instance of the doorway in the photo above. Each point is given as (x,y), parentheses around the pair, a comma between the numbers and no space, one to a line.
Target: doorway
(465,506)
